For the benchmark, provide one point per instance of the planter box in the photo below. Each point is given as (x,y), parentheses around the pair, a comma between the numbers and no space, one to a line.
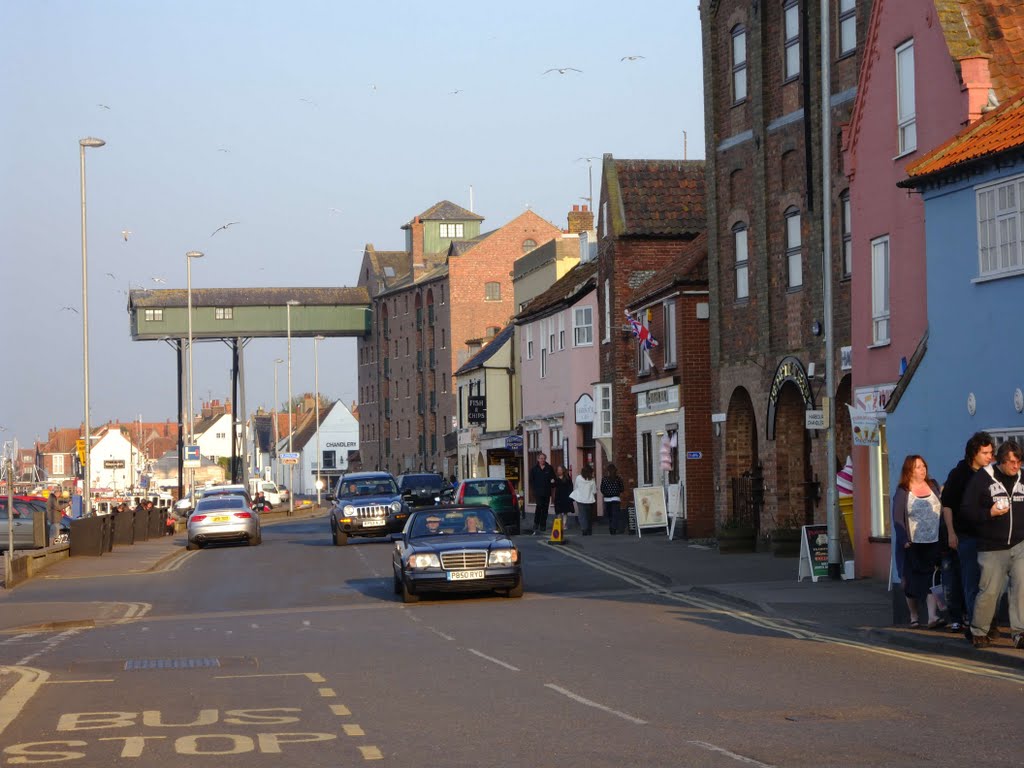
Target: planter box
(737,540)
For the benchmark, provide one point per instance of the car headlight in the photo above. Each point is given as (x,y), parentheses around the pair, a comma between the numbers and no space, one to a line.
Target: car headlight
(424,560)
(349,510)
(503,557)
(396,506)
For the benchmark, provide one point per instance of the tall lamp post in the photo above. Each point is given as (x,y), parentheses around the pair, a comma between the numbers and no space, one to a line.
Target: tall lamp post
(316,406)
(291,483)
(277,436)
(191,409)
(86,511)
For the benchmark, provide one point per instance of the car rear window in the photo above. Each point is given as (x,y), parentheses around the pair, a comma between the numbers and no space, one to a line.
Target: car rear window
(221,501)
(417,482)
(488,488)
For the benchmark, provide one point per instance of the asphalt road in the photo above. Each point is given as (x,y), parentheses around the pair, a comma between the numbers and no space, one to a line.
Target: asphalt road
(298,653)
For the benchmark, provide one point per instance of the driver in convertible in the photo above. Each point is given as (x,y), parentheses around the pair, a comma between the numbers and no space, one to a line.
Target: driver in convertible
(433,525)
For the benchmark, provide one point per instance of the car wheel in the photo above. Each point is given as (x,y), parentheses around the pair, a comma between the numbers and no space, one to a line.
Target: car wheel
(517,590)
(398,584)
(256,540)
(340,538)
(407,596)
(191,546)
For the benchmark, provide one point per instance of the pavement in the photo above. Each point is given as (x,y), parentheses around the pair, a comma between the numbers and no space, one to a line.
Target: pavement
(859,609)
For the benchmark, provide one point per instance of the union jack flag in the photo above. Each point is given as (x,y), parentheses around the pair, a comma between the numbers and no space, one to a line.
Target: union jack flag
(642,333)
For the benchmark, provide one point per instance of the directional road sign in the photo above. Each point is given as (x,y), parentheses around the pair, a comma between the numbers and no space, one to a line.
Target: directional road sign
(191,457)
(289,458)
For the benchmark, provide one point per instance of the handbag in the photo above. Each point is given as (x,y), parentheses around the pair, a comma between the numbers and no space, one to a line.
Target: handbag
(938,590)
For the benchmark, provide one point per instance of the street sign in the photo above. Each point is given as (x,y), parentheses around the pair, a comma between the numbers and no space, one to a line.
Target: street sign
(814,419)
(476,406)
(289,458)
(113,463)
(694,455)
(192,459)
(514,442)
(80,448)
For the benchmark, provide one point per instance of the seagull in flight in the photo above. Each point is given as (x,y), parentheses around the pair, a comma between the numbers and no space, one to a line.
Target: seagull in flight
(632,58)
(308,101)
(103,106)
(125,233)
(158,280)
(69,309)
(334,211)
(224,226)
(456,92)
(222,149)
(562,70)
(111,275)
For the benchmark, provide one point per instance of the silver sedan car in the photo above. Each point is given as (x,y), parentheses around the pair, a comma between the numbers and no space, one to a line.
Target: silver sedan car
(223,518)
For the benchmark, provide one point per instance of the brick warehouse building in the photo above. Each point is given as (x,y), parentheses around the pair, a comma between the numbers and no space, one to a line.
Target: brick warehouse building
(451,285)
(650,210)
(762,120)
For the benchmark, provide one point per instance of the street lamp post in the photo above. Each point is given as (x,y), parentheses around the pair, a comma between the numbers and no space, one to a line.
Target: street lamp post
(82,144)
(316,406)
(277,436)
(191,409)
(291,483)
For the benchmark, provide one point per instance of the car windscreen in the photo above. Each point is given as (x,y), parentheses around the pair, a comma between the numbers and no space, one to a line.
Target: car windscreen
(422,483)
(367,486)
(221,501)
(456,522)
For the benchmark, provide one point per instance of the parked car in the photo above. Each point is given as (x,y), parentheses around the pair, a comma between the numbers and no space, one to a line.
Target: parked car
(498,494)
(424,489)
(366,504)
(455,549)
(223,517)
(24,533)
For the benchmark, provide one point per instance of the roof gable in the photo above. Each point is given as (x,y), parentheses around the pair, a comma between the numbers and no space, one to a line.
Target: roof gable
(655,198)
(490,350)
(566,291)
(446,211)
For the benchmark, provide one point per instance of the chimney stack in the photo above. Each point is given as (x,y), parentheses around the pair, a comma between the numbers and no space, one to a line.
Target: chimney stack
(581,219)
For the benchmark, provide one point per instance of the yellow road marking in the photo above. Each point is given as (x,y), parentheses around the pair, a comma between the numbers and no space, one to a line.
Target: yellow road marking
(351,729)
(371,753)
(340,710)
(20,693)
(315,677)
(266,674)
(326,692)
(74,682)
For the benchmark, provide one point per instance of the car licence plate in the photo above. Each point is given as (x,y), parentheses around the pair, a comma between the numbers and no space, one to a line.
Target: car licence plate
(372,522)
(220,519)
(464,575)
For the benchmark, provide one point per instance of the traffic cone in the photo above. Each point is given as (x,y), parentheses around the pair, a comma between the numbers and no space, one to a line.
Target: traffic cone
(557,532)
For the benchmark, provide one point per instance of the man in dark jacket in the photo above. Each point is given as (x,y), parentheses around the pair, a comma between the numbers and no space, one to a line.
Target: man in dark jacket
(54,513)
(960,553)
(542,477)
(994,502)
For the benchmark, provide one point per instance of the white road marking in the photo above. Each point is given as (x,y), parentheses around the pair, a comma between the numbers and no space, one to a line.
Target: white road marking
(587,702)
(20,638)
(727,753)
(439,633)
(776,625)
(49,645)
(20,693)
(312,676)
(493,660)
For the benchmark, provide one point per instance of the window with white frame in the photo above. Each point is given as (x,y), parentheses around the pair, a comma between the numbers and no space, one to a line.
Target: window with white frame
(223,313)
(847,26)
(878,477)
(646,458)
(561,331)
(604,219)
(1001,435)
(492,291)
(528,343)
(451,230)
(543,349)
(603,417)
(844,201)
(154,315)
(791,42)
(794,251)
(583,326)
(1000,220)
(739,63)
(906,113)
(58,464)
(607,311)
(668,342)
(880,290)
(739,239)
(551,334)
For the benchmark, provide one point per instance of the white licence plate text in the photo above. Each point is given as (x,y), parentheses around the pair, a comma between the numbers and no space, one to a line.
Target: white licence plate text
(373,522)
(464,575)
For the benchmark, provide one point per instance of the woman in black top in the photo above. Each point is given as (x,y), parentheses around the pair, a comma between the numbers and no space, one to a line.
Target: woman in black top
(562,492)
(611,489)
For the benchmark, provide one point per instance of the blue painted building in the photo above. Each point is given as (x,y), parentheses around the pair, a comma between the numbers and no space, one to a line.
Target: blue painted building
(968,372)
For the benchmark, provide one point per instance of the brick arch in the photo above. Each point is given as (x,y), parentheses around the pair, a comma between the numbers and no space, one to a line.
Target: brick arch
(844,431)
(741,448)
(792,458)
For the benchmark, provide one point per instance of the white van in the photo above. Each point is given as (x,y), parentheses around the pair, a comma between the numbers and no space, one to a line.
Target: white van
(268,488)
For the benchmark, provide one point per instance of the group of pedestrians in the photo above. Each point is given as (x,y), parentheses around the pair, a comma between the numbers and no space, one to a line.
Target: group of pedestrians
(967,536)
(549,484)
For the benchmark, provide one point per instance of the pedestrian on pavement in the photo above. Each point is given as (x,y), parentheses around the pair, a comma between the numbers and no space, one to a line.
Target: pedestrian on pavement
(584,493)
(916,510)
(563,494)
(612,488)
(960,555)
(542,479)
(54,513)
(994,502)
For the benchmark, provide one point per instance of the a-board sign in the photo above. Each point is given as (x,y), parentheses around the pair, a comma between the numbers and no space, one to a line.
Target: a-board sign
(813,552)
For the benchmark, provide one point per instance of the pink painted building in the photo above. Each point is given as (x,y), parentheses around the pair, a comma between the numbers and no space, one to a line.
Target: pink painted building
(929,67)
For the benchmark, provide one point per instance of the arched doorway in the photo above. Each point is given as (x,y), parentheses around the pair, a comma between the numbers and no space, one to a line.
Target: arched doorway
(844,430)
(795,492)
(741,458)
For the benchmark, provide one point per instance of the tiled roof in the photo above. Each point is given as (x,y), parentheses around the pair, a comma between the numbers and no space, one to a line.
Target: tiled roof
(991,28)
(61,440)
(689,267)
(565,291)
(307,429)
(489,351)
(263,427)
(996,132)
(446,211)
(247,297)
(662,198)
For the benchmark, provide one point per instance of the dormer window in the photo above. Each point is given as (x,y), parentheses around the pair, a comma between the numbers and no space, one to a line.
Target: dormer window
(451,230)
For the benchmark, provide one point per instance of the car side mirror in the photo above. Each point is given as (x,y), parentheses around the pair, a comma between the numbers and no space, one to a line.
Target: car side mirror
(329,497)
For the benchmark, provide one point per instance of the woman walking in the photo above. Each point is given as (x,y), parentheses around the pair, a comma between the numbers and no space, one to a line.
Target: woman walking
(562,492)
(584,493)
(916,510)
(611,489)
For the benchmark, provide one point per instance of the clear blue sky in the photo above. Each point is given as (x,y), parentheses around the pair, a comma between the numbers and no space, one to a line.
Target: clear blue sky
(320,105)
